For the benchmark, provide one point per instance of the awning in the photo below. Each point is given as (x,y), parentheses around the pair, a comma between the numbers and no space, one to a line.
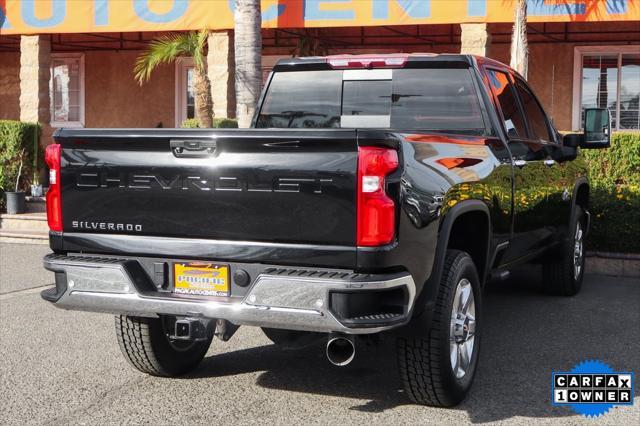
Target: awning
(92,16)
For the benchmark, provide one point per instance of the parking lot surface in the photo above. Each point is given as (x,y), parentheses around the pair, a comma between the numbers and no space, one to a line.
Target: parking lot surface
(65,367)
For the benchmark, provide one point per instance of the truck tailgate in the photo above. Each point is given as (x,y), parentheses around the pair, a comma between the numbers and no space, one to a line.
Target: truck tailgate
(285,186)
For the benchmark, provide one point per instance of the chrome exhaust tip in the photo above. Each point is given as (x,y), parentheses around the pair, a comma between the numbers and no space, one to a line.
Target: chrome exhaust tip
(341,349)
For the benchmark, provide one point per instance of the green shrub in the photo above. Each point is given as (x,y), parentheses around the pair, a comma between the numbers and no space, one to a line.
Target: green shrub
(615,219)
(225,123)
(618,165)
(218,123)
(16,143)
(614,176)
(190,123)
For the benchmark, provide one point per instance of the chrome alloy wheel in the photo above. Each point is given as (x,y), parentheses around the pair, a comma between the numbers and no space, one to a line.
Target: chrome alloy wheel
(577,251)
(462,329)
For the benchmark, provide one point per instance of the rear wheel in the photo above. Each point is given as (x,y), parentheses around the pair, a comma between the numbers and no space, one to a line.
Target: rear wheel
(563,275)
(145,344)
(437,366)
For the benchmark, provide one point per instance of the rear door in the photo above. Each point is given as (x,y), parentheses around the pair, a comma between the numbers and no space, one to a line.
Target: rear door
(531,230)
(285,186)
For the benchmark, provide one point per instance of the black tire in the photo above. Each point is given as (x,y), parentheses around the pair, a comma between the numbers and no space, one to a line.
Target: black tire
(144,344)
(559,274)
(424,355)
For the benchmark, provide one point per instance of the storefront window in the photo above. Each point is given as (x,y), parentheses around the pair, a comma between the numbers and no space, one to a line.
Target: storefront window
(612,80)
(184,90)
(191,103)
(67,90)
(629,116)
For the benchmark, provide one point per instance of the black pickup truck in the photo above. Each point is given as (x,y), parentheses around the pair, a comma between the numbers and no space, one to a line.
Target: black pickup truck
(373,194)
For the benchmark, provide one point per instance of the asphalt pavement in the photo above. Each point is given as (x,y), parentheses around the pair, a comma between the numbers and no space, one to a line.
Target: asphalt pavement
(65,367)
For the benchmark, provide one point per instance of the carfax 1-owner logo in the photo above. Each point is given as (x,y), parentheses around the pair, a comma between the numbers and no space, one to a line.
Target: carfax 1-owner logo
(592,388)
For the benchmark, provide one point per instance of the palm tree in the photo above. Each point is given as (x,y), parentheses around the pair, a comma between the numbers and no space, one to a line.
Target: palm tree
(170,47)
(519,48)
(248,56)
(309,44)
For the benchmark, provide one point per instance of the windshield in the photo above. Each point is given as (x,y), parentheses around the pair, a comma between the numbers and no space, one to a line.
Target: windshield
(440,100)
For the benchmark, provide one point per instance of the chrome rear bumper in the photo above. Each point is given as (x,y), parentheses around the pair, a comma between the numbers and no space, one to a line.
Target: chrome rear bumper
(275,299)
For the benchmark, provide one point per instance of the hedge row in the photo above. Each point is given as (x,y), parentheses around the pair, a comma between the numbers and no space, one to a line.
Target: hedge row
(18,141)
(614,176)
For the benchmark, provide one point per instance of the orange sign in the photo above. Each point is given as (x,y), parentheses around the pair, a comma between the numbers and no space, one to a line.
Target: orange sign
(75,16)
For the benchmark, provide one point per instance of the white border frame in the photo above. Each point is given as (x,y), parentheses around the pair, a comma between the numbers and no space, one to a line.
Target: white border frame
(578,53)
(180,92)
(80,123)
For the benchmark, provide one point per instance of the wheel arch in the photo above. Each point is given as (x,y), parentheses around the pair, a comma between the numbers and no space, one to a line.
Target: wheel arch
(581,192)
(453,226)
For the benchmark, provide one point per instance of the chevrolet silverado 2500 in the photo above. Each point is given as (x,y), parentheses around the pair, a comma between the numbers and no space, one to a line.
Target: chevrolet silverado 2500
(373,194)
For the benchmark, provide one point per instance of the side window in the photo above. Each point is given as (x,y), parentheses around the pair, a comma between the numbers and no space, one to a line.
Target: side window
(503,90)
(534,113)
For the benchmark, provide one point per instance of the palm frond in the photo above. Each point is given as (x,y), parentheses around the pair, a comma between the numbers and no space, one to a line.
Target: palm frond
(162,50)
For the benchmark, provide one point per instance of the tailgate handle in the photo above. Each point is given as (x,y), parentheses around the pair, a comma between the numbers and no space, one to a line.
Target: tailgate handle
(193,148)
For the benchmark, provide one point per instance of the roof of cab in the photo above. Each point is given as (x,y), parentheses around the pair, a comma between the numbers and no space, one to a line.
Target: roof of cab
(322,62)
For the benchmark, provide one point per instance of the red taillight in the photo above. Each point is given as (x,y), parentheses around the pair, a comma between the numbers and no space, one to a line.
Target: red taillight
(376,211)
(54,199)
(366,61)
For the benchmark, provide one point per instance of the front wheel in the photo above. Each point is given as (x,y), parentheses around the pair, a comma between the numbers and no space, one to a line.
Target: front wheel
(563,275)
(438,364)
(145,344)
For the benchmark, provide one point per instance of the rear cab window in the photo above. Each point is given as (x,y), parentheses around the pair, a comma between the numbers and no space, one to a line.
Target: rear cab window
(429,99)
(302,99)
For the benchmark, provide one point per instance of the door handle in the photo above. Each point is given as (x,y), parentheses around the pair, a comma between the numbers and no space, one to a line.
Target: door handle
(549,162)
(192,147)
(519,163)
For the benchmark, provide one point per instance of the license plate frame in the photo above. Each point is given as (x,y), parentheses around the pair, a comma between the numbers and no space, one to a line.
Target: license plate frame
(201,279)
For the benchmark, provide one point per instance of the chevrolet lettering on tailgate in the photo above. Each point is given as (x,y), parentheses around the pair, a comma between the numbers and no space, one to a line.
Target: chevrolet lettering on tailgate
(102,179)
